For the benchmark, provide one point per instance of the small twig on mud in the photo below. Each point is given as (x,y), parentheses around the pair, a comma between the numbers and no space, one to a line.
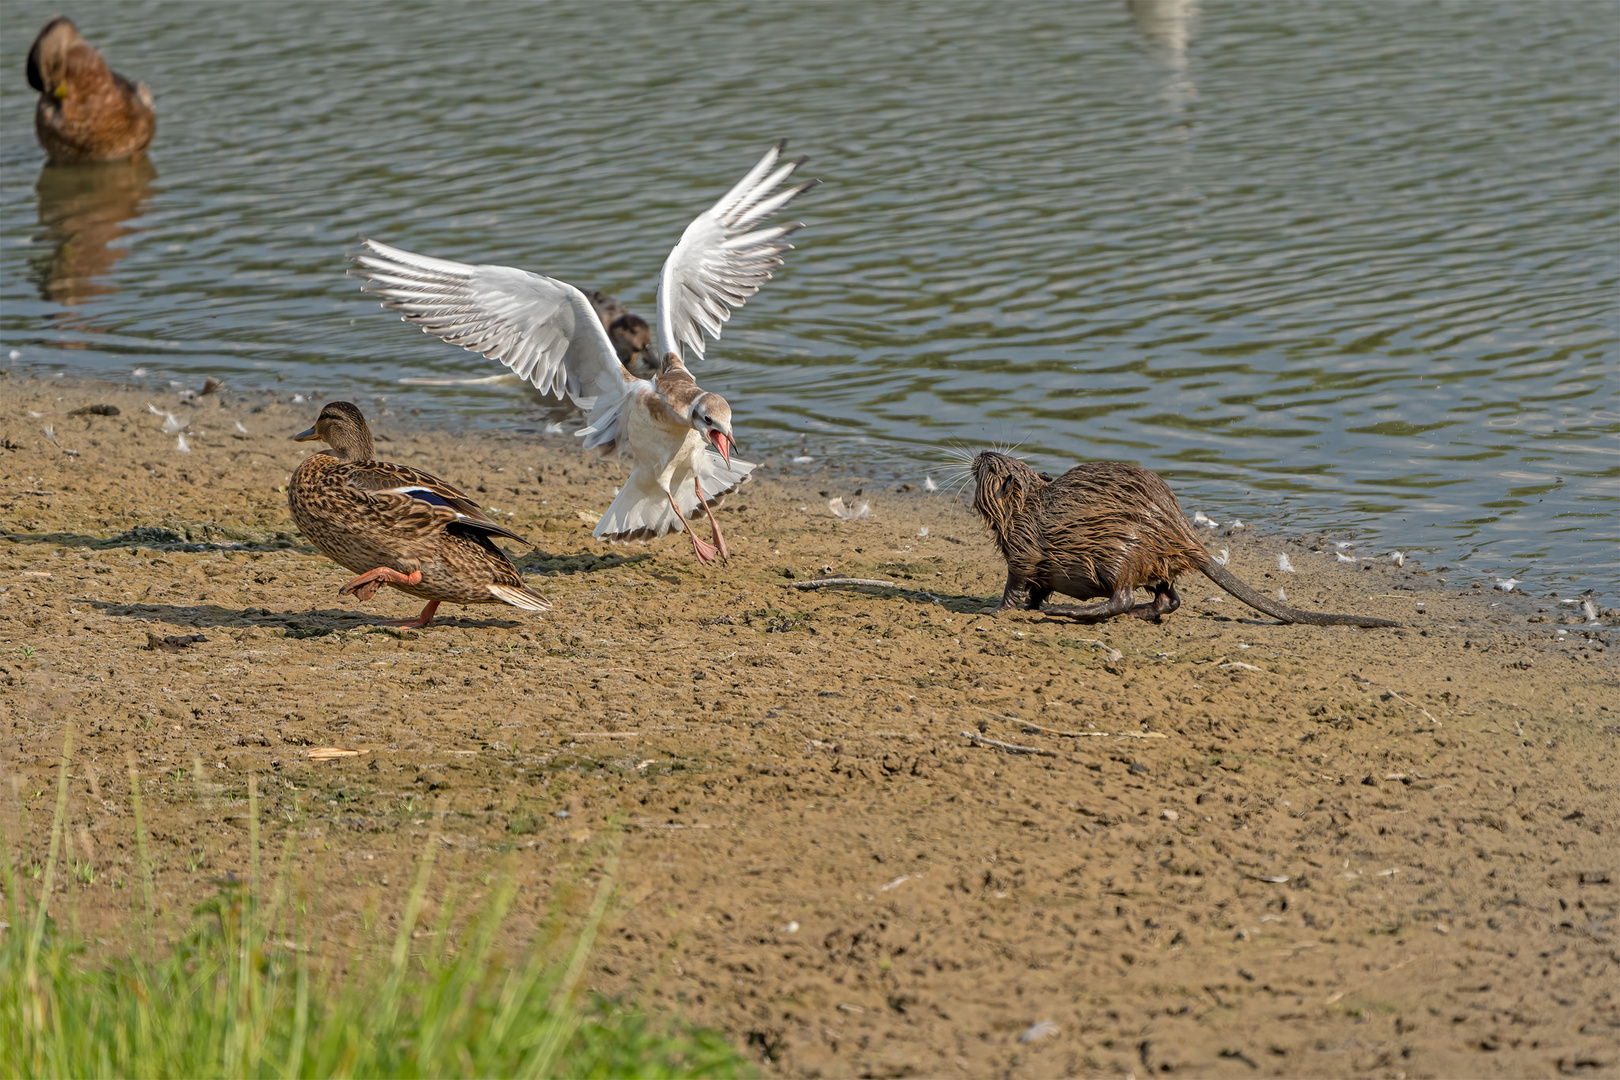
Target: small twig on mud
(1363,984)
(1240,664)
(665,825)
(1011,748)
(1092,734)
(822,583)
(1111,655)
(604,734)
(1418,707)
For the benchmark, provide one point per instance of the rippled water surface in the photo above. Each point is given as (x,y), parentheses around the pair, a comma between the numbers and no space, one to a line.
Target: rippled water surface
(1347,266)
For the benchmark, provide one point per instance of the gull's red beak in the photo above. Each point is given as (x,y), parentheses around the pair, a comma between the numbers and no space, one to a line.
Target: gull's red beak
(722,443)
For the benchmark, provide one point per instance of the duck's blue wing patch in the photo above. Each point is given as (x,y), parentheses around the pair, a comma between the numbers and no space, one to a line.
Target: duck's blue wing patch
(422,494)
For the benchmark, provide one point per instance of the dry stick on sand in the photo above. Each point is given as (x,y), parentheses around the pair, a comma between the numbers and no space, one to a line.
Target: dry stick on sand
(1090,734)
(822,583)
(1011,748)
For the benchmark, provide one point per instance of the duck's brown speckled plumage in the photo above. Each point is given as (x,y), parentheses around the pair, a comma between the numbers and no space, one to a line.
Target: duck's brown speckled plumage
(86,111)
(1104,529)
(345,504)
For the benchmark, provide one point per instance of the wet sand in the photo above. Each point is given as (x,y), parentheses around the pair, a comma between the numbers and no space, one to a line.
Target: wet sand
(1225,846)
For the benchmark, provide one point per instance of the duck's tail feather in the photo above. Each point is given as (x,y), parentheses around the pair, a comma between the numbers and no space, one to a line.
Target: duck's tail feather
(520,596)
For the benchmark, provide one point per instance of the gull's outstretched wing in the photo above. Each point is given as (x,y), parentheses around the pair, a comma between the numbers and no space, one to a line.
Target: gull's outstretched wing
(719,263)
(545,330)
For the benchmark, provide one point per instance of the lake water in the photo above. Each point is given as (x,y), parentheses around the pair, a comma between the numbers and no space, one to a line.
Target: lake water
(1344,266)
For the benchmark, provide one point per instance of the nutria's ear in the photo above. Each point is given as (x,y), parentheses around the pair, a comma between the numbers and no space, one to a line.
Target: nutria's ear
(1045,476)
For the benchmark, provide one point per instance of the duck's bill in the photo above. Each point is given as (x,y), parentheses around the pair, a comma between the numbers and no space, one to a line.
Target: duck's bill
(305,436)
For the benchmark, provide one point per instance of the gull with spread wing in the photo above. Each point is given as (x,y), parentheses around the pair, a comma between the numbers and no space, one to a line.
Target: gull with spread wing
(547,331)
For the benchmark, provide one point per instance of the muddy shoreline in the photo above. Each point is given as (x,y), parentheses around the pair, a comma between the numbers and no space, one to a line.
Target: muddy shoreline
(1225,847)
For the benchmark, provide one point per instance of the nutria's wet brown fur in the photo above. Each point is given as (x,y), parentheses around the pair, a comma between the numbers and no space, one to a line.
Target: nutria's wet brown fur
(1104,528)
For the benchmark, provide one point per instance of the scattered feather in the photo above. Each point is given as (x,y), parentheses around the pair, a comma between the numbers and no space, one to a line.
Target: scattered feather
(16,354)
(1342,557)
(929,485)
(1204,521)
(1282,596)
(1038,1031)
(1342,544)
(240,428)
(211,385)
(176,385)
(555,427)
(182,446)
(50,433)
(588,518)
(1224,557)
(1236,525)
(923,531)
(1284,565)
(803,459)
(1507,584)
(137,372)
(299,399)
(1398,558)
(852,511)
(1590,610)
(330,753)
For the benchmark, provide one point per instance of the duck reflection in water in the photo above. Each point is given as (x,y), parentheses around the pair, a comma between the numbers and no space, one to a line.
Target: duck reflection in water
(84,210)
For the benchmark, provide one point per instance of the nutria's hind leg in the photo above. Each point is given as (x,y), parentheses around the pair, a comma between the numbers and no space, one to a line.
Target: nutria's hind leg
(1165,600)
(1037,597)
(1117,604)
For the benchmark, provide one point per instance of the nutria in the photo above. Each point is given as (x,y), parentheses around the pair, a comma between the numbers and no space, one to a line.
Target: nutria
(1104,528)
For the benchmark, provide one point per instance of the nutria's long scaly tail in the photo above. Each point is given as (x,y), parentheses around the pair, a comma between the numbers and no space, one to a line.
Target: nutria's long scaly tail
(1223,577)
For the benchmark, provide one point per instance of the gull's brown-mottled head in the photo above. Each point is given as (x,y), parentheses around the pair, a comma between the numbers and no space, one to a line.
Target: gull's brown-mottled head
(343,427)
(711,418)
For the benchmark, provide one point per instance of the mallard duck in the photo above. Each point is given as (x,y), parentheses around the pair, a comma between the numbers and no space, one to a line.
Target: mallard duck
(86,111)
(393,525)
(630,334)
(551,334)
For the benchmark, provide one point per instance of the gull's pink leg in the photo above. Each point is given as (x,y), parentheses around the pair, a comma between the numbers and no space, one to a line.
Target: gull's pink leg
(719,541)
(704,553)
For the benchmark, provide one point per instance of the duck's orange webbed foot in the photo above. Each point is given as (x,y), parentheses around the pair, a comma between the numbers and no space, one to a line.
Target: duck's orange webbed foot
(366,585)
(416,623)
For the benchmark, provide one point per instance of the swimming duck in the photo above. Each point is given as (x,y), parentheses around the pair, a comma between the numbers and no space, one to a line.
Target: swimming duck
(630,334)
(86,111)
(393,525)
(552,334)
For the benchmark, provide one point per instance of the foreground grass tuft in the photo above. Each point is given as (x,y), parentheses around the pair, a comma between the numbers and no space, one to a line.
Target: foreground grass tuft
(239,995)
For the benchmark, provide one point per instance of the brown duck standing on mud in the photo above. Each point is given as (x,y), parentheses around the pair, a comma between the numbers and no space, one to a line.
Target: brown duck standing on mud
(86,112)
(393,525)
(1104,528)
